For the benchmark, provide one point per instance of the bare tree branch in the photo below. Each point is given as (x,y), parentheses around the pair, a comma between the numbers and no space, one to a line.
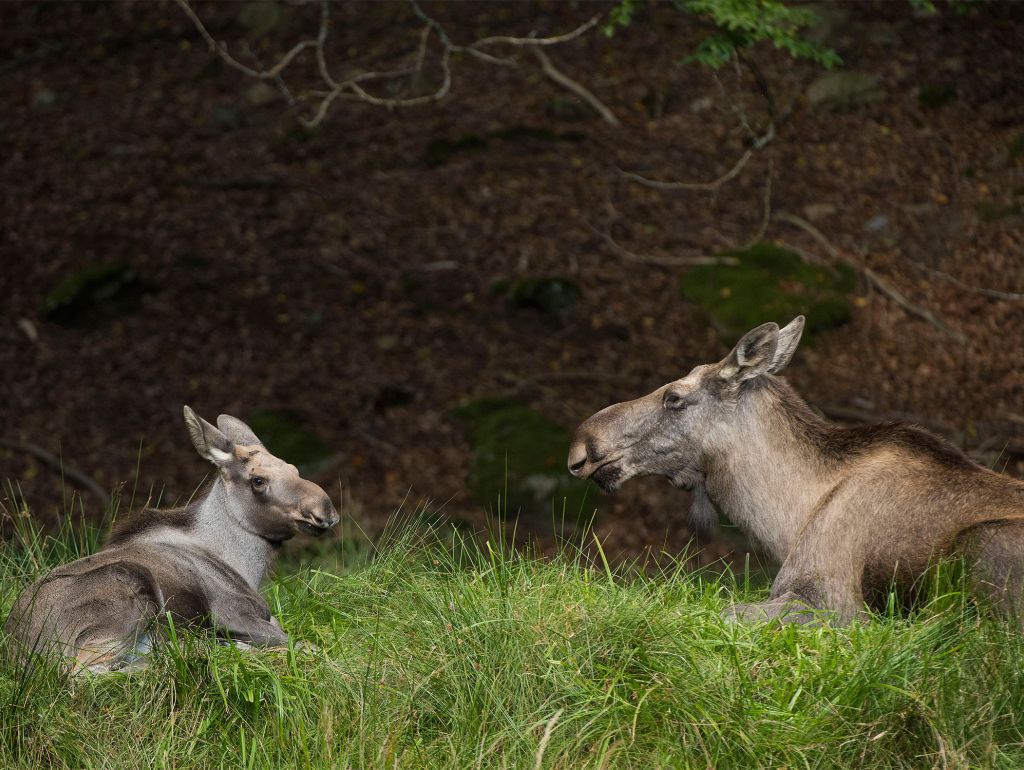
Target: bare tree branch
(571,85)
(695,260)
(993,293)
(353,87)
(714,184)
(878,281)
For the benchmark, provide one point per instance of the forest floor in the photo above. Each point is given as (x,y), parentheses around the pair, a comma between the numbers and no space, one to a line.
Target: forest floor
(396,293)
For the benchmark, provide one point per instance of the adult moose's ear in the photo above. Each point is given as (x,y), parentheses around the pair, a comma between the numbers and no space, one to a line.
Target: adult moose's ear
(208,440)
(789,338)
(237,431)
(753,355)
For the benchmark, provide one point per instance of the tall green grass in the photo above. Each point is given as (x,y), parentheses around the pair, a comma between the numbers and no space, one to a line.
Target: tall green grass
(436,651)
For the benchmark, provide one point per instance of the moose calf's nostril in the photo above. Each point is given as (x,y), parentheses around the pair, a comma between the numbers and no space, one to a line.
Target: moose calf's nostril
(576,466)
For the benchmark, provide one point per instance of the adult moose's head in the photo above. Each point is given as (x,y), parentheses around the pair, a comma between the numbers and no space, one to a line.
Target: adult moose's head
(673,431)
(264,494)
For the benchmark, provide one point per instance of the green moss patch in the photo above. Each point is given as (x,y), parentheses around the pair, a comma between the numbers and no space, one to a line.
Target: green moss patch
(934,97)
(521,454)
(95,294)
(770,284)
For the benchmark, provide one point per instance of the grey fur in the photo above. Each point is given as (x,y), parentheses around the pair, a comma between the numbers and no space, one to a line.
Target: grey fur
(847,512)
(202,564)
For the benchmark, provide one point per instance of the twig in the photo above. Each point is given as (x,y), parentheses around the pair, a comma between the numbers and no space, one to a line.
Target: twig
(539,41)
(893,293)
(705,186)
(1007,295)
(757,142)
(697,260)
(571,85)
(767,216)
(880,283)
(59,465)
(221,50)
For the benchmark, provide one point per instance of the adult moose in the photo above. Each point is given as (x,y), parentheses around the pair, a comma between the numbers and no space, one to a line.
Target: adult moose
(203,563)
(847,512)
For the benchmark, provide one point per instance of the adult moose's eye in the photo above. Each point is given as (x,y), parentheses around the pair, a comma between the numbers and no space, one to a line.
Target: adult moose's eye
(673,401)
(258,484)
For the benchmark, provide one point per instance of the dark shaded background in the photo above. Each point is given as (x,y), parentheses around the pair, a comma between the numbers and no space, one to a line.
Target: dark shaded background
(354,286)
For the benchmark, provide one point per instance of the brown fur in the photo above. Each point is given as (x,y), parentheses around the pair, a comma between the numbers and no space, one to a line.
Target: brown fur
(847,512)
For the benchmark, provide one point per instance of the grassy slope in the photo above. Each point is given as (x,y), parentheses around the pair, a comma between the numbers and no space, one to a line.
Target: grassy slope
(436,655)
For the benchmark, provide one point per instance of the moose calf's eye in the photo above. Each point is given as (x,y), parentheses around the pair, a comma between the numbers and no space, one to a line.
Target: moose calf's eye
(258,483)
(673,401)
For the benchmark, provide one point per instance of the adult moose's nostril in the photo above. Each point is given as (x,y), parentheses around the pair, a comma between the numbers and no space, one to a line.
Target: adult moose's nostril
(577,457)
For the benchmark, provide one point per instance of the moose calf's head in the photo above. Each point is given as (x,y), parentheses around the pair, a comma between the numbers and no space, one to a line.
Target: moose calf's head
(264,494)
(670,432)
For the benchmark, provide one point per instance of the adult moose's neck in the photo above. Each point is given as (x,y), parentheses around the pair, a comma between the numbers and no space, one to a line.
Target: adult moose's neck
(217,530)
(763,470)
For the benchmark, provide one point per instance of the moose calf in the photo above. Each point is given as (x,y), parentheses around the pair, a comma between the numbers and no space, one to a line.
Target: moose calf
(203,563)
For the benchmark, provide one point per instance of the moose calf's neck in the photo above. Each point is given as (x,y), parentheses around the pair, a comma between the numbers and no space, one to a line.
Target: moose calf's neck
(763,472)
(215,530)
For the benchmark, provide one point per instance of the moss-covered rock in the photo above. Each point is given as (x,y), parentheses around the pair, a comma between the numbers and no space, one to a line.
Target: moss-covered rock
(554,297)
(519,459)
(286,437)
(95,294)
(770,284)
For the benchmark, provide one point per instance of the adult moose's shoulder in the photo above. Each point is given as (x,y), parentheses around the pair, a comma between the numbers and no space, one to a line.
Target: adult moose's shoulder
(847,512)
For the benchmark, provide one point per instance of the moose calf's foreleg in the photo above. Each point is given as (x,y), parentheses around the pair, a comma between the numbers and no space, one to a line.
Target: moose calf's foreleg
(251,629)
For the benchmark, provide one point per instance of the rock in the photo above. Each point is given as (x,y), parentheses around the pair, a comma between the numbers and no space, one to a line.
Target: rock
(260,17)
(44,98)
(815,212)
(260,94)
(832,21)
(703,104)
(877,223)
(840,91)
(225,117)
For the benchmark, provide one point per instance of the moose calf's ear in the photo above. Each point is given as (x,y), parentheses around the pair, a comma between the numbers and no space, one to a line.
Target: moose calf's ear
(789,338)
(237,431)
(209,442)
(753,355)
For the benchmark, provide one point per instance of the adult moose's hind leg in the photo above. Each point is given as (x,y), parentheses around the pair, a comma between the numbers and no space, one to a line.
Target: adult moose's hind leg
(994,552)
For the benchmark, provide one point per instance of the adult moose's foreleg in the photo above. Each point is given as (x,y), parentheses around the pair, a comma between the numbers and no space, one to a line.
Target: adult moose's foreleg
(815,585)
